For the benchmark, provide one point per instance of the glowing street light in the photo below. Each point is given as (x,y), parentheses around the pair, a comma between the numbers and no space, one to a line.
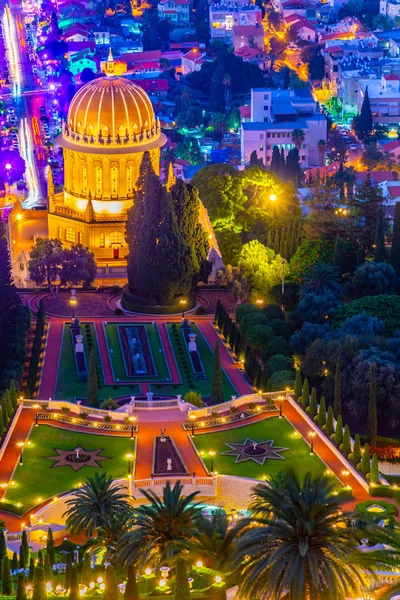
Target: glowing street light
(132,420)
(192,418)
(312,435)
(129,457)
(73,301)
(280,400)
(272,197)
(211,454)
(183,304)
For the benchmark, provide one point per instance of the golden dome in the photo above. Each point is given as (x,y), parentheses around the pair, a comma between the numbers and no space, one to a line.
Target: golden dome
(111,111)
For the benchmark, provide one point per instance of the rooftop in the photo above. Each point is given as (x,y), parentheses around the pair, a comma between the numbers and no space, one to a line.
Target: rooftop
(248,30)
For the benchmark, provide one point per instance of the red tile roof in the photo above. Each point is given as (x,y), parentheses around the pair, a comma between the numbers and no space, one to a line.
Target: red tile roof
(153,85)
(248,30)
(194,55)
(246,52)
(391,77)
(394,191)
(390,146)
(245,111)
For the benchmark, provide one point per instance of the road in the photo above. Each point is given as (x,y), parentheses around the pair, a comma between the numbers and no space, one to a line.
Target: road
(28,98)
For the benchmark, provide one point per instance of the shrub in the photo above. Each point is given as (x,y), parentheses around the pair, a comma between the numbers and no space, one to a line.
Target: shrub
(251,320)
(339,431)
(259,335)
(107,419)
(201,310)
(109,404)
(233,410)
(278,362)
(374,473)
(385,308)
(280,328)
(84,415)
(346,445)
(245,309)
(365,460)
(273,311)
(194,398)
(65,410)
(277,345)
(322,412)
(282,379)
(374,279)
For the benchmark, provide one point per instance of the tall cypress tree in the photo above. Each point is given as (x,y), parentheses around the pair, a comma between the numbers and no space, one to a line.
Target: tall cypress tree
(22,557)
(337,403)
(25,544)
(50,546)
(6,580)
(395,250)
(67,574)
(73,585)
(329,425)
(48,571)
(379,250)
(356,450)
(110,582)
(313,403)
(8,293)
(13,394)
(365,460)
(305,397)
(322,412)
(276,161)
(7,406)
(31,572)
(39,585)
(298,385)
(374,472)
(339,431)
(365,121)
(86,569)
(346,445)
(14,562)
(372,423)
(2,424)
(3,545)
(182,588)
(21,587)
(217,392)
(92,384)
(131,588)
(40,559)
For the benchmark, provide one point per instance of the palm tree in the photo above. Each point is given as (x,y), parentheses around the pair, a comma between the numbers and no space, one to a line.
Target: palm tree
(214,540)
(298,137)
(297,543)
(321,145)
(94,507)
(162,528)
(321,279)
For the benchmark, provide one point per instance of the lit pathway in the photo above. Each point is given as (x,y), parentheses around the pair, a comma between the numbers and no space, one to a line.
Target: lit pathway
(50,364)
(105,358)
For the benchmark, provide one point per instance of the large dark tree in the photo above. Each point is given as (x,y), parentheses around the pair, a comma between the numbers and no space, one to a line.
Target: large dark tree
(8,293)
(395,251)
(364,213)
(364,121)
(379,250)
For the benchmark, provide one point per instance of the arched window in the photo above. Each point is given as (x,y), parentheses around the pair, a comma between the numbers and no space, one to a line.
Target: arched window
(129,179)
(99,180)
(116,237)
(70,235)
(114,180)
(102,240)
(84,179)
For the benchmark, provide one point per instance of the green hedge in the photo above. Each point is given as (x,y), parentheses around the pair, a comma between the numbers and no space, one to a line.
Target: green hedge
(12,508)
(385,307)
(135,303)
(385,491)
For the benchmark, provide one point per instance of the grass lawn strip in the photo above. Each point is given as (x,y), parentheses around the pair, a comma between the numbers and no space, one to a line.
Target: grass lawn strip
(296,458)
(117,359)
(38,479)
(68,387)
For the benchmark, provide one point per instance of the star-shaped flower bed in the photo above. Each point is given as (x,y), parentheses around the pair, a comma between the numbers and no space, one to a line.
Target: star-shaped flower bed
(77,458)
(258,452)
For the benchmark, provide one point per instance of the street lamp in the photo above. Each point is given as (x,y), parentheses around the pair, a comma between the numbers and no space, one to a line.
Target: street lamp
(183,304)
(129,457)
(311,435)
(20,446)
(211,454)
(260,302)
(280,400)
(192,418)
(132,421)
(73,301)
(36,407)
(283,261)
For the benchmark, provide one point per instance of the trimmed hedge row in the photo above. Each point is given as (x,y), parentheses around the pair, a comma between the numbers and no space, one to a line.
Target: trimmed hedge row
(35,355)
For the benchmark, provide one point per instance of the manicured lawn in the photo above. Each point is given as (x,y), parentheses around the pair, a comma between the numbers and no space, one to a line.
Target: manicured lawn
(155,347)
(68,387)
(297,457)
(37,478)
(203,386)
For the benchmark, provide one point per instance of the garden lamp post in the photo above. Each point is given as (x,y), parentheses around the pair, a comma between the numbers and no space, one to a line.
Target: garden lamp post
(192,418)
(129,457)
(73,301)
(280,400)
(211,454)
(312,435)
(36,407)
(20,446)
(183,304)
(132,421)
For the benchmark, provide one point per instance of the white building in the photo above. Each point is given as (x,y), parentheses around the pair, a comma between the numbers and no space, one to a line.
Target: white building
(176,11)
(275,114)
(226,15)
(384,97)
(389,8)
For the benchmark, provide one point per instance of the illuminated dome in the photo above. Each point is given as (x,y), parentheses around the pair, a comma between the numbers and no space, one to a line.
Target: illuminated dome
(112,112)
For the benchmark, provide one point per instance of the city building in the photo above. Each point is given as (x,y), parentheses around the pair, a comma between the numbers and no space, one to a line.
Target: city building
(389,8)
(82,60)
(384,96)
(301,27)
(176,11)
(248,35)
(110,124)
(275,114)
(192,61)
(226,15)
(254,55)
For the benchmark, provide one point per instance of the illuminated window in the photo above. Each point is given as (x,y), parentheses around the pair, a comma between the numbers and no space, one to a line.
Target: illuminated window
(114,181)
(116,237)
(70,235)
(102,240)
(80,237)
(84,179)
(99,181)
(129,179)
(59,233)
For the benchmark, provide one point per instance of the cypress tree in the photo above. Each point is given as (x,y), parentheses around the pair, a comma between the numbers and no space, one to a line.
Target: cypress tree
(13,394)
(227,328)
(40,559)
(240,346)
(329,426)
(257,376)
(92,387)
(365,120)
(2,424)
(276,242)
(282,243)
(372,411)
(379,251)
(298,385)
(7,406)
(365,460)
(182,588)
(313,403)
(217,392)
(25,544)
(21,587)
(48,571)
(374,473)
(3,545)
(337,403)
(39,585)
(31,572)
(6,580)
(86,569)
(275,160)
(269,240)
(67,574)
(217,310)
(73,585)
(357,450)
(131,588)
(110,582)
(22,557)
(8,293)
(339,431)
(322,412)
(346,444)
(264,381)
(305,397)
(223,316)
(14,562)
(50,546)
(395,250)
(233,336)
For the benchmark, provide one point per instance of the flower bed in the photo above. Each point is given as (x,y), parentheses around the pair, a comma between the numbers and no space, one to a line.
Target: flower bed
(137,355)
(195,359)
(80,358)
(164,451)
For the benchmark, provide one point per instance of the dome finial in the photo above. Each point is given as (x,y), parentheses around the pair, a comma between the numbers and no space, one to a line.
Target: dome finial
(110,65)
